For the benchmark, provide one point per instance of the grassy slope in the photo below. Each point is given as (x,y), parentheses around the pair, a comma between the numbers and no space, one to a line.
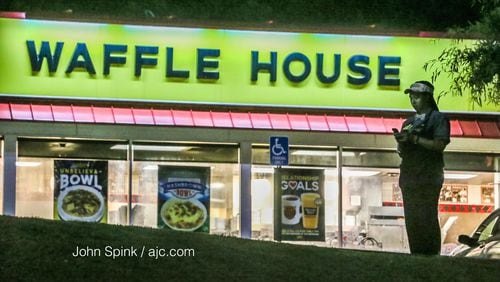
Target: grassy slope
(35,249)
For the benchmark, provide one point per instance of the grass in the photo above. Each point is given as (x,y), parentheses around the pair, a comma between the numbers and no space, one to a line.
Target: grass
(41,250)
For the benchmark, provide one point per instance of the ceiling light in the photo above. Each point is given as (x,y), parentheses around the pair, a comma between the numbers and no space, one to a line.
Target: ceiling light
(331,172)
(359,173)
(156,148)
(262,169)
(213,200)
(150,167)
(217,185)
(27,164)
(321,153)
(314,153)
(459,176)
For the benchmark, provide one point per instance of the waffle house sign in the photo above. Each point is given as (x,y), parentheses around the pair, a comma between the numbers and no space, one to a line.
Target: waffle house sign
(189,65)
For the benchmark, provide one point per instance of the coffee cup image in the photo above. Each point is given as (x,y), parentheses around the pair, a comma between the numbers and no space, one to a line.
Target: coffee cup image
(290,209)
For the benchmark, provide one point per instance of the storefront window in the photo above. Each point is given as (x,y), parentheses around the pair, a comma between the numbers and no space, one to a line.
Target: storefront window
(157,164)
(35,187)
(373,215)
(262,202)
(472,161)
(42,163)
(466,199)
(372,206)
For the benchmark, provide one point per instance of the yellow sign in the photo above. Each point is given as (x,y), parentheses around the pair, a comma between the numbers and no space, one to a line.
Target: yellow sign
(189,65)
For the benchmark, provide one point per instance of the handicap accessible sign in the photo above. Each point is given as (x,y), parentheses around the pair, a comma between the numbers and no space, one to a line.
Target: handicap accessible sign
(278,150)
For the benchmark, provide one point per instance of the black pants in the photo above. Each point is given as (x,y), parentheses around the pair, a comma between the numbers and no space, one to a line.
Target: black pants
(421,219)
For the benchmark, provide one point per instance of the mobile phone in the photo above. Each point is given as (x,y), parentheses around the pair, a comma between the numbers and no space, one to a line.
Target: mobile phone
(395,130)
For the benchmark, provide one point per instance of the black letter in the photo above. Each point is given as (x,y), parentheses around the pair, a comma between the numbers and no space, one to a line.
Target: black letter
(383,71)
(140,61)
(299,57)
(363,70)
(37,59)
(336,69)
(108,59)
(202,64)
(170,69)
(270,67)
(81,50)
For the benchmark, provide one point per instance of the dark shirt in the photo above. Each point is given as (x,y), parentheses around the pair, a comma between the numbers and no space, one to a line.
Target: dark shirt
(421,166)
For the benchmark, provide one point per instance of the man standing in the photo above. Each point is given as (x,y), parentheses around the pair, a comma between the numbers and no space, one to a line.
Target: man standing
(421,143)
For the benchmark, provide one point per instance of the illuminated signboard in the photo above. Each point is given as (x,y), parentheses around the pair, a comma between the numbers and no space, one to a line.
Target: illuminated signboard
(189,65)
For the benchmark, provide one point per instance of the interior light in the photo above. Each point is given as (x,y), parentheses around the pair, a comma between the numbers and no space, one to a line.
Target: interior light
(359,173)
(326,153)
(314,153)
(331,172)
(217,185)
(155,148)
(459,176)
(262,169)
(150,167)
(28,164)
(63,146)
(213,200)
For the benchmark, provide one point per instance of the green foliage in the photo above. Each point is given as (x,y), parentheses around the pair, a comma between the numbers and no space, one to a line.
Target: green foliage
(473,69)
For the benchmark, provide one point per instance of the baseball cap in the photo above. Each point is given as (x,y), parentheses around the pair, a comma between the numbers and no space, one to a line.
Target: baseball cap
(419,87)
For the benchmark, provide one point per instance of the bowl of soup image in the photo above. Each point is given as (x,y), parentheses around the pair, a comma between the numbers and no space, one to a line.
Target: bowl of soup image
(80,203)
(183,214)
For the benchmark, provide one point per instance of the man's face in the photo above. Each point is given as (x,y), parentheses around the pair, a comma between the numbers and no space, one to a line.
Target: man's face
(418,100)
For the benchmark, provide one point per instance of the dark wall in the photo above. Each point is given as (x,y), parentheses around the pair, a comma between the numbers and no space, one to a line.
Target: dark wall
(431,15)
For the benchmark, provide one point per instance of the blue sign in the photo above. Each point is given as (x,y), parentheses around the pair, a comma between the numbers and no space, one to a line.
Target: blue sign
(278,150)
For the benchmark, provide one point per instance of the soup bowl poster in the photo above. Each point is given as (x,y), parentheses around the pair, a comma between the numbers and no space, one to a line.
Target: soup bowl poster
(80,190)
(184,198)
(299,205)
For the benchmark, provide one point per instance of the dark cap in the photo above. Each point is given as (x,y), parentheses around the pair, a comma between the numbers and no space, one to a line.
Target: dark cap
(420,87)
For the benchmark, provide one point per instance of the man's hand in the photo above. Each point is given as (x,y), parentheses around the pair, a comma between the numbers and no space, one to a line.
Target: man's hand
(402,137)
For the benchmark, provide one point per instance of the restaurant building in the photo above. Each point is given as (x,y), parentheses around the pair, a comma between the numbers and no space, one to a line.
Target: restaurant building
(177,128)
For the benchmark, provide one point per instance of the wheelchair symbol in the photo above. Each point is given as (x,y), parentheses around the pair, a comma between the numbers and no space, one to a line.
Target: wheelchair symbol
(277,148)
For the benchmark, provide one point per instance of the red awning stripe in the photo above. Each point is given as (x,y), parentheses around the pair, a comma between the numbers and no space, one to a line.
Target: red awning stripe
(83,114)
(470,128)
(319,123)
(456,129)
(241,120)
(356,124)
(5,112)
(171,117)
(12,15)
(261,121)
(220,119)
(489,129)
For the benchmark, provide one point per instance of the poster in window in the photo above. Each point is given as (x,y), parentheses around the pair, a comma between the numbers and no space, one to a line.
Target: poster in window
(299,205)
(184,198)
(487,195)
(80,190)
(454,193)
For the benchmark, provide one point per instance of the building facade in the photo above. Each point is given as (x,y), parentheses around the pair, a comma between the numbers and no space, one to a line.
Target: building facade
(160,119)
